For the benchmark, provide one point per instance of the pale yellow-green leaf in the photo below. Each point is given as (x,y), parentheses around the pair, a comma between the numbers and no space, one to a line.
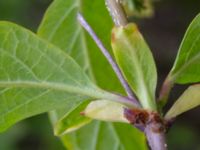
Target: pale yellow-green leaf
(188,100)
(106,111)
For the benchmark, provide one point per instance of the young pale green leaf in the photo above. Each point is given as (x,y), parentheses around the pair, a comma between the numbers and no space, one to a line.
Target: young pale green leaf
(188,100)
(106,111)
(186,68)
(136,62)
(72,120)
(37,77)
(105,136)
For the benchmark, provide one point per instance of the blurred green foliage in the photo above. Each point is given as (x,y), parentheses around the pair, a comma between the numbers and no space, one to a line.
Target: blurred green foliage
(24,12)
(183,137)
(32,134)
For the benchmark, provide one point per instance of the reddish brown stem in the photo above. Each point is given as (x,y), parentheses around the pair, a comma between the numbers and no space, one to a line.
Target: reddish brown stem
(152,124)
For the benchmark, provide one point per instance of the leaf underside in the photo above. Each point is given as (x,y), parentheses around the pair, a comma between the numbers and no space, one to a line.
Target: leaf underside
(60,27)
(36,76)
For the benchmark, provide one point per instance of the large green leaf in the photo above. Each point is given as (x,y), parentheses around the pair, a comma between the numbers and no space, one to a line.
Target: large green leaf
(136,62)
(96,14)
(37,77)
(188,100)
(187,65)
(60,27)
(104,136)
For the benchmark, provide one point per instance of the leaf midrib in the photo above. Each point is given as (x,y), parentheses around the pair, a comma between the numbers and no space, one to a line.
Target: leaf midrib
(53,85)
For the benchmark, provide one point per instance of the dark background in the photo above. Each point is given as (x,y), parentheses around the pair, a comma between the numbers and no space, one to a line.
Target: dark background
(164,32)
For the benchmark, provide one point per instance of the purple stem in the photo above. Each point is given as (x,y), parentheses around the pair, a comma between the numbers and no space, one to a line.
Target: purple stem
(105,52)
(156,140)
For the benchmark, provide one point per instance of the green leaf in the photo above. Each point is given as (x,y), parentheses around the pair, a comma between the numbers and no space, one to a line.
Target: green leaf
(188,100)
(60,27)
(136,62)
(106,79)
(37,77)
(72,120)
(96,62)
(186,68)
(104,136)
(106,111)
